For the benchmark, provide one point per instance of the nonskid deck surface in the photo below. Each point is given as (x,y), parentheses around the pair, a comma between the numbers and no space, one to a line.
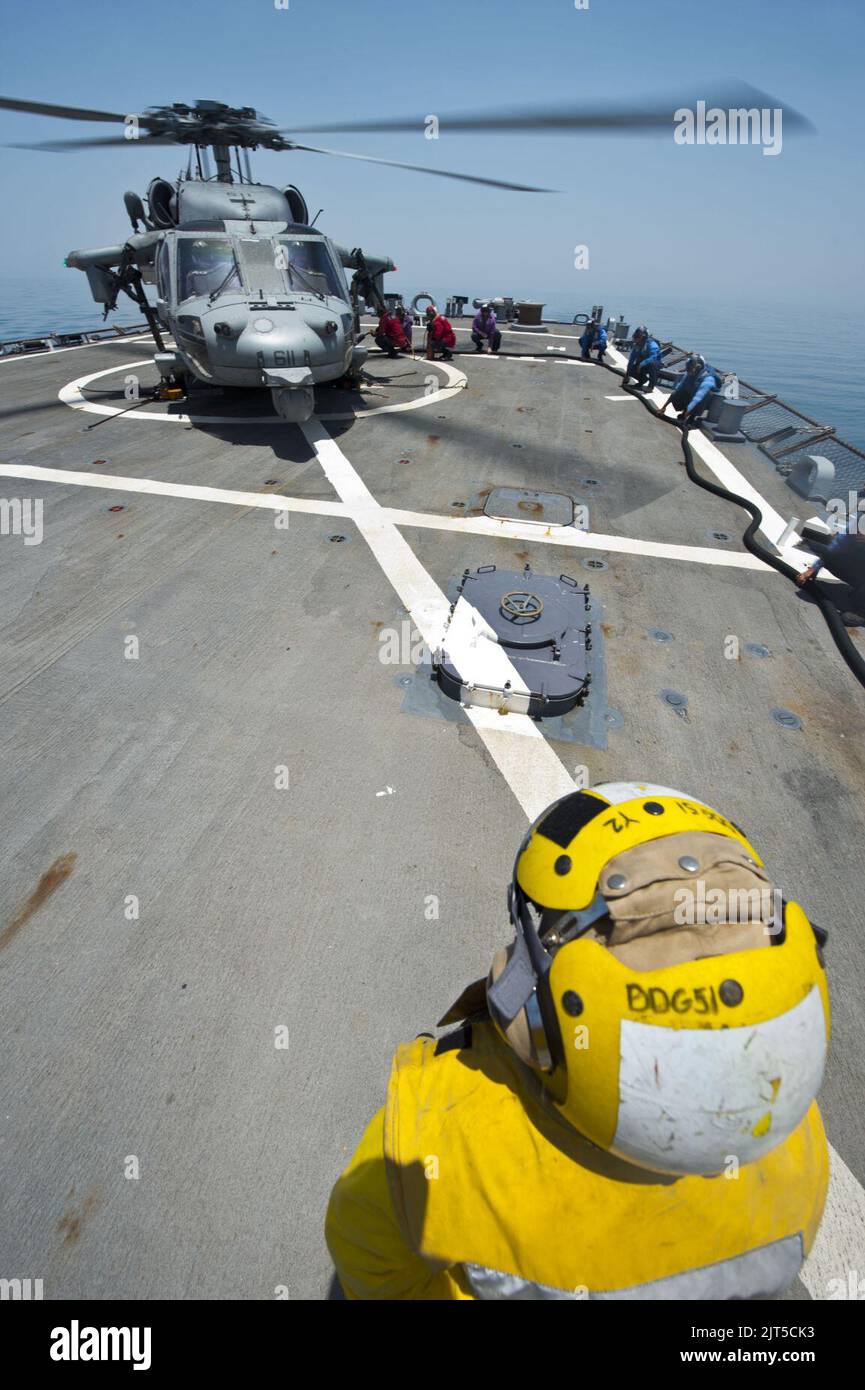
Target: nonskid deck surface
(341,913)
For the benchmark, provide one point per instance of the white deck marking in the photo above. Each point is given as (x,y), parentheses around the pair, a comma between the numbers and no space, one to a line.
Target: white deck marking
(528,763)
(473,649)
(73,395)
(839,1249)
(620,398)
(578,540)
(729,476)
(567,536)
(116,483)
(77,347)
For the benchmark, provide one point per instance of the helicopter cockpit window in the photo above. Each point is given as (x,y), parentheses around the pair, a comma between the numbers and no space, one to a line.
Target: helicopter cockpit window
(163,275)
(308,265)
(205,265)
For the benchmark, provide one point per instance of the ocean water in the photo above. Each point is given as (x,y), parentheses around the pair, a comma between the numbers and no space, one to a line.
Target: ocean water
(811,358)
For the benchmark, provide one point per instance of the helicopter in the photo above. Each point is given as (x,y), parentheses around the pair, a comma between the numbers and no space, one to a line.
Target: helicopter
(251,294)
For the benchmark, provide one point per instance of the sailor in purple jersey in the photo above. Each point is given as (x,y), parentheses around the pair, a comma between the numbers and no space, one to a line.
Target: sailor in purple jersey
(484,326)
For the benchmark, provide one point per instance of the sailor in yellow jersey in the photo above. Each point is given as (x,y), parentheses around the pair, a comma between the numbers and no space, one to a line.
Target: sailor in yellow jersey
(627,1110)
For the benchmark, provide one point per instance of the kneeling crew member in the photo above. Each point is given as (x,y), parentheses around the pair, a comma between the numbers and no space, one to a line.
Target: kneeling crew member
(406,318)
(693,396)
(440,337)
(594,339)
(644,363)
(390,335)
(484,326)
(844,555)
(627,1111)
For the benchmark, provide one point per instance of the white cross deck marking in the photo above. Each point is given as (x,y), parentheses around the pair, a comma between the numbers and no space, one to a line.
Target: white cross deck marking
(567,536)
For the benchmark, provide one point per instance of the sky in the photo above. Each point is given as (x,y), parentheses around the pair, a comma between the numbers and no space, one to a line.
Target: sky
(722,223)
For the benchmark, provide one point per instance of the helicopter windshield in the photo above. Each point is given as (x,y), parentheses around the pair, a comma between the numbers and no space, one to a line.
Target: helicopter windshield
(206,265)
(308,265)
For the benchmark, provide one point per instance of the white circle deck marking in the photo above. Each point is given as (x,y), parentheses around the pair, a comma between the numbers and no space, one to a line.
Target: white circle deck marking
(73,395)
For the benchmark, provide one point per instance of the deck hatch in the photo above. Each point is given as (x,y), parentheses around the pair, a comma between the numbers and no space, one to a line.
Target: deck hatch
(522,504)
(517,641)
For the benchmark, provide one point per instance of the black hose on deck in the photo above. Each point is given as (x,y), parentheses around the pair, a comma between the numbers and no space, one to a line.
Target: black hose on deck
(840,635)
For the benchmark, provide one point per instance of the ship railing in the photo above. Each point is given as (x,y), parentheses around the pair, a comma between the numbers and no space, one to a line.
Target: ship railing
(51,342)
(784,434)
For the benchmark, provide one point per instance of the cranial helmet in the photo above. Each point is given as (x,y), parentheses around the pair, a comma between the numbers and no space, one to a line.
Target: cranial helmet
(672,1003)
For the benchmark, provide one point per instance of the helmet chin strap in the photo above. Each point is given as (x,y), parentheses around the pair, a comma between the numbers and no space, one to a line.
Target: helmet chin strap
(530,961)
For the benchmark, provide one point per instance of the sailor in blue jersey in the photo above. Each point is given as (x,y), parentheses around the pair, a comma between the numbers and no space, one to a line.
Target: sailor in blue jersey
(694,393)
(644,363)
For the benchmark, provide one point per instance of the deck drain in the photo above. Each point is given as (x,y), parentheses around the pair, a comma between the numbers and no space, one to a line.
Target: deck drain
(271,482)
(757,649)
(719,535)
(404,680)
(336,538)
(660,635)
(614,719)
(589,482)
(677,702)
(786,718)
(457,504)
(591,564)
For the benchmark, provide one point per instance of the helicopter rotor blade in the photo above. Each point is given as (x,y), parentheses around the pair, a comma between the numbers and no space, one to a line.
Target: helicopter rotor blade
(424,169)
(69,113)
(65,146)
(642,117)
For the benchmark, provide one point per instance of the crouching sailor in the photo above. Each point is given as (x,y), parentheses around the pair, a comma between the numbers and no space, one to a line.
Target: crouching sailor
(843,556)
(390,334)
(644,363)
(484,327)
(627,1109)
(693,396)
(440,336)
(593,340)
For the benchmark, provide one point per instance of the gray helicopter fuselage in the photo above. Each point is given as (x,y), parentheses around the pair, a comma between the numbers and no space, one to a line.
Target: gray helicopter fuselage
(251,296)
(261,322)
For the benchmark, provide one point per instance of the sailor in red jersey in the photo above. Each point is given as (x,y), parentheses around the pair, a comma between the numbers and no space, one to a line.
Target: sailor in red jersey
(390,334)
(440,337)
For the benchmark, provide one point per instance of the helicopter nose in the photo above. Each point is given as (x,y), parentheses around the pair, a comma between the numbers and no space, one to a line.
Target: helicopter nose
(290,340)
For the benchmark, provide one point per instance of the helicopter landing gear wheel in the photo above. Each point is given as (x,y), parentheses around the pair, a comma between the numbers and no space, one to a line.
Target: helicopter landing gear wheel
(352,381)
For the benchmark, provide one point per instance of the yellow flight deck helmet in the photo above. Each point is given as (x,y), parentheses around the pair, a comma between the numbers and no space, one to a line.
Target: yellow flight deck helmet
(673,1004)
